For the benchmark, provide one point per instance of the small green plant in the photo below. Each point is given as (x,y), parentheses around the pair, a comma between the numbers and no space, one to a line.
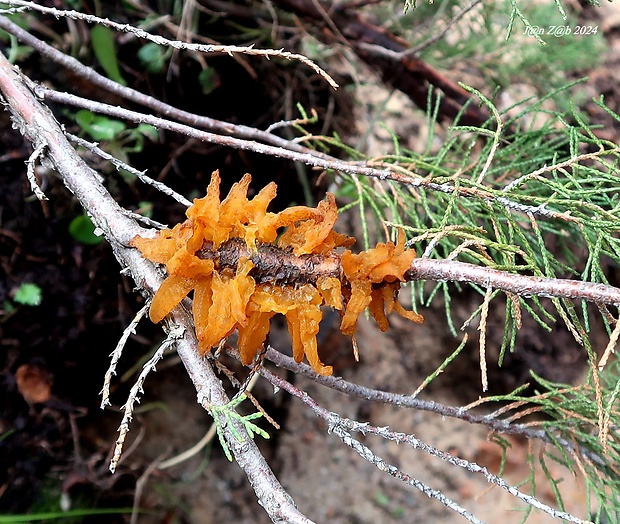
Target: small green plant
(28,294)
(99,127)
(154,57)
(102,39)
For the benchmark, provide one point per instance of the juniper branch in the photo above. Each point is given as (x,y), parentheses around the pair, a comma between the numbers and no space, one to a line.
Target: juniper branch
(275,264)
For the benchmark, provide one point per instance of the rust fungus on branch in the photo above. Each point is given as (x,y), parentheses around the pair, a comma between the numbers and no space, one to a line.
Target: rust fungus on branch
(245,264)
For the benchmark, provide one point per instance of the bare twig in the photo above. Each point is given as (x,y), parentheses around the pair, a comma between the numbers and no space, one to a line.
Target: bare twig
(525,286)
(367,454)
(459,462)
(119,164)
(338,428)
(176,44)
(116,354)
(89,74)
(312,159)
(173,335)
(30,171)
(381,170)
(492,421)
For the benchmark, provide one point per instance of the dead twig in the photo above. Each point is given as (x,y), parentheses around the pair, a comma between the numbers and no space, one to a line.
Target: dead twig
(492,420)
(173,335)
(116,354)
(176,44)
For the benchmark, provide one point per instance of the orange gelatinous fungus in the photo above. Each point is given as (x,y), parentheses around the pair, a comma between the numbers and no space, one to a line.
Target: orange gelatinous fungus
(331,291)
(245,265)
(169,295)
(410,315)
(377,308)
(203,293)
(252,336)
(360,299)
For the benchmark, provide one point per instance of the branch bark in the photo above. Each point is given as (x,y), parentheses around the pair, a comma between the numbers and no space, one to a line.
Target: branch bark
(36,122)
(274,264)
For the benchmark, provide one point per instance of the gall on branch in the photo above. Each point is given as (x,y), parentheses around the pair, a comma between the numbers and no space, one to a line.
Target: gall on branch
(245,265)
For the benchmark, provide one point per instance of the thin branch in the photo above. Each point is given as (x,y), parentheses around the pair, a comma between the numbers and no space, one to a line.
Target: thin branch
(416,443)
(522,285)
(483,194)
(274,264)
(116,354)
(338,428)
(30,171)
(381,170)
(410,401)
(311,159)
(367,454)
(173,335)
(90,75)
(119,164)
(177,44)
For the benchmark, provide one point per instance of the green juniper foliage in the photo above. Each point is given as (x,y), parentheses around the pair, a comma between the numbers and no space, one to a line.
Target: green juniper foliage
(526,199)
(231,417)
